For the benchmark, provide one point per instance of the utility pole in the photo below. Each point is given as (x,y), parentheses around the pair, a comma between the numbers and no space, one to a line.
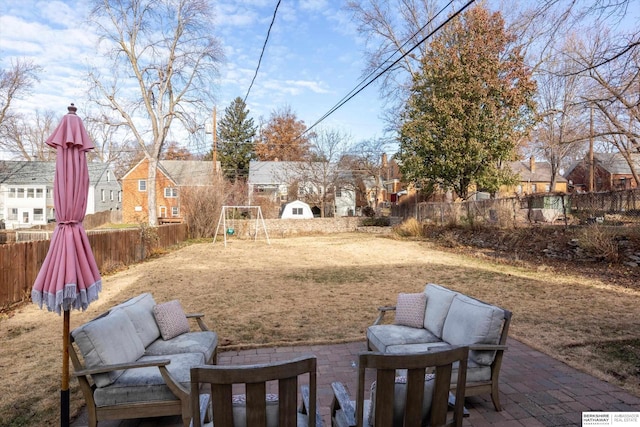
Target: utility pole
(591,168)
(215,143)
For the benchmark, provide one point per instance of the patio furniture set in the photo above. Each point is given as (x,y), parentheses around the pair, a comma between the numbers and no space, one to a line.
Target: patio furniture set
(141,359)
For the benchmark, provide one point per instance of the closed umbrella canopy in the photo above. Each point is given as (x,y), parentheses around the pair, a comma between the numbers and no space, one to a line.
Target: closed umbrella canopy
(69,276)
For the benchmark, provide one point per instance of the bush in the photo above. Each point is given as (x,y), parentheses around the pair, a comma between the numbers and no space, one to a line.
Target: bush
(409,228)
(381,221)
(368,211)
(600,242)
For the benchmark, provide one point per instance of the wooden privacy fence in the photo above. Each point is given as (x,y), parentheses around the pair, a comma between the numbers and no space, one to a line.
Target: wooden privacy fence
(20,262)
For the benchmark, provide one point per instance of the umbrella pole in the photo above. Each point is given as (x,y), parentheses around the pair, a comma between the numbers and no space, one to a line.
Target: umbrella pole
(64,389)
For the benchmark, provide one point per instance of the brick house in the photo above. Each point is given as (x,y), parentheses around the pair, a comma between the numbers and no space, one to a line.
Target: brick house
(610,172)
(172,175)
(535,177)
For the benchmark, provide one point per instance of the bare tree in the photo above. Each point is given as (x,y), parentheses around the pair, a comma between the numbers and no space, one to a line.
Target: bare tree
(614,92)
(164,60)
(15,82)
(26,136)
(391,29)
(368,163)
(562,127)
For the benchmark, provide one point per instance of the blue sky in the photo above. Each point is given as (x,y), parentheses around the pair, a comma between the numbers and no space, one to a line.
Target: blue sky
(313,58)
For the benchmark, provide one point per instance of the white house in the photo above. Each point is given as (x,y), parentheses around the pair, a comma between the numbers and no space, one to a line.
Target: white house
(296,210)
(26,192)
(312,179)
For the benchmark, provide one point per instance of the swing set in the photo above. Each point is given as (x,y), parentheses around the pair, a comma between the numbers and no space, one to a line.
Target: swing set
(228,216)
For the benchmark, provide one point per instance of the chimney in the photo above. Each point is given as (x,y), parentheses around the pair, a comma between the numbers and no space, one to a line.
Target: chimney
(384,160)
(532,164)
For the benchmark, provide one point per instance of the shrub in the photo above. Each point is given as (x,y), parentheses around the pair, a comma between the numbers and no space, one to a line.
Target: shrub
(368,211)
(381,221)
(409,228)
(599,242)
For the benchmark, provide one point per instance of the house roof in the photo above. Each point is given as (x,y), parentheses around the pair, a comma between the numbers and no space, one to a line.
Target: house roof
(20,172)
(188,172)
(615,163)
(541,172)
(272,172)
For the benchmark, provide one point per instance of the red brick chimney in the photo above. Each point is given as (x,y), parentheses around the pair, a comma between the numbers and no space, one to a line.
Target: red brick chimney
(532,164)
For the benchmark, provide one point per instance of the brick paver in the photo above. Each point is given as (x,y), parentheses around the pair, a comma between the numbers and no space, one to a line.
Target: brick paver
(536,390)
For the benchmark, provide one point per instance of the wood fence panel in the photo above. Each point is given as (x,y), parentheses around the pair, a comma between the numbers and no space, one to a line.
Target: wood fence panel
(21,262)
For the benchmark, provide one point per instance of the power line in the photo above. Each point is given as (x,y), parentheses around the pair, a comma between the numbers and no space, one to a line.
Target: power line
(264,46)
(355,92)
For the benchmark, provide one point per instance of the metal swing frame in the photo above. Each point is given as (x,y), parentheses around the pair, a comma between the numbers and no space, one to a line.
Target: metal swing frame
(259,220)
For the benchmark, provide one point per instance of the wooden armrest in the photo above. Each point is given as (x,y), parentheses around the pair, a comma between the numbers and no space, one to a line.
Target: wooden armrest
(496,347)
(383,310)
(120,366)
(198,316)
(304,390)
(343,401)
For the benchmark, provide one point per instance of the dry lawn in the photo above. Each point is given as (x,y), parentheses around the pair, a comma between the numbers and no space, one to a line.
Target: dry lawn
(324,289)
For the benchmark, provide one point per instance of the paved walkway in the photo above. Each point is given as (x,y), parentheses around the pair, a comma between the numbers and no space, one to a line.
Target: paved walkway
(536,390)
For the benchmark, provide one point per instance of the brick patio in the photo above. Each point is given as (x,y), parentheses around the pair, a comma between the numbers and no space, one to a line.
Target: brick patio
(536,390)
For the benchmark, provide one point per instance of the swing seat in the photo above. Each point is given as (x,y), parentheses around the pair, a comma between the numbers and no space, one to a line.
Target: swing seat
(230,231)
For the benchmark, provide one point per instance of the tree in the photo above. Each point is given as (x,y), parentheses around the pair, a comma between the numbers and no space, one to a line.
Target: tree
(283,138)
(321,174)
(236,132)
(26,136)
(164,60)
(15,81)
(369,166)
(174,152)
(470,104)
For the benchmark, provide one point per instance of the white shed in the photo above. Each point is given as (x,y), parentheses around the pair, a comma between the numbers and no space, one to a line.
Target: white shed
(296,210)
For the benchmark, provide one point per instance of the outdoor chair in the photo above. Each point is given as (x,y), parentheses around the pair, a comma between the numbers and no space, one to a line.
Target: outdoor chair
(418,395)
(270,396)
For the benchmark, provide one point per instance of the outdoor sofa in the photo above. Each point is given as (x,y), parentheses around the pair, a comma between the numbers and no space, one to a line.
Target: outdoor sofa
(440,317)
(134,361)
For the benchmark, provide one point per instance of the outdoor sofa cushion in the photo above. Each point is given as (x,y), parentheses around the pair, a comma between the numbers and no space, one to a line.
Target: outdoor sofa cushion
(140,311)
(470,321)
(384,336)
(438,302)
(147,384)
(204,342)
(108,340)
(400,399)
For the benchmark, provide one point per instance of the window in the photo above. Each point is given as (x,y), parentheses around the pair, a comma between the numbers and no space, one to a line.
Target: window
(519,189)
(12,193)
(38,214)
(111,195)
(170,192)
(39,193)
(338,192)
(102,198)
(120,196)
(534,188)
(297,211)
(108,176)
(49,193)
(175,211)
(547,188)
(31,193)
(142,185)
(13,214)
(20,193)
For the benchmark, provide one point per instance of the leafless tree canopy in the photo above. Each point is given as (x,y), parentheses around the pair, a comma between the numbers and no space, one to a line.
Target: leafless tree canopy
(164,59)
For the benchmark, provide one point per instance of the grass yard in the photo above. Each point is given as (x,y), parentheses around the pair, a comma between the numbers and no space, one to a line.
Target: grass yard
(320,289)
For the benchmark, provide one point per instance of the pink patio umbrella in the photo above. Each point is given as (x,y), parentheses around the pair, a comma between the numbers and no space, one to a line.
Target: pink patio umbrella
(69,276)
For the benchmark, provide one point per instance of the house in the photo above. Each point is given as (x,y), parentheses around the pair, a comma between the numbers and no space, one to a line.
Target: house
(296,210)
(534,177)
(278,182)
(172,175)
(611,171)
(26,192)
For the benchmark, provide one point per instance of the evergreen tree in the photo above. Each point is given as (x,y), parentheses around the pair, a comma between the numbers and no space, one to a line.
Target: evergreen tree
(235,140)
(468,108)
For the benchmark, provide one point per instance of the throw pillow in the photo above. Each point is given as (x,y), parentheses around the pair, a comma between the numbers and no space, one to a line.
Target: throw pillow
(171,319)
(410,309)
(399,399)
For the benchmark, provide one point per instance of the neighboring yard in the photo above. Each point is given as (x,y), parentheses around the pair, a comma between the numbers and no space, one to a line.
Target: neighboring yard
(326,289)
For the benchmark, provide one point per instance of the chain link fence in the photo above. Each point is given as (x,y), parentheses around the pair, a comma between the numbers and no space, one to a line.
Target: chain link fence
(614,208)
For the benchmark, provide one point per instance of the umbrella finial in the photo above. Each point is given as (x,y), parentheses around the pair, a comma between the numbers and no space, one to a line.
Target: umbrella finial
(72,109)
